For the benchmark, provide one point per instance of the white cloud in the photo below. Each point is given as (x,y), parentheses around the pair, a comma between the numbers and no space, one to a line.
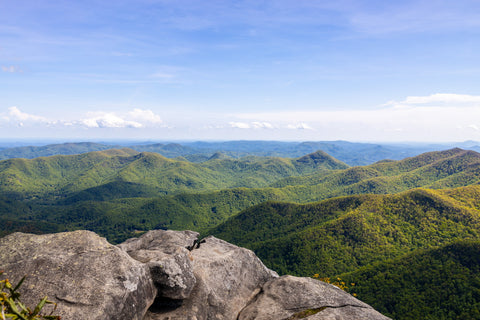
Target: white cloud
(474,127)
(262,125)
(108,120)
(299,126)
(251,125)
(436,117)
(136,118)
(439,99)
(239,125)
(145,116)
(12,69)
(15,115)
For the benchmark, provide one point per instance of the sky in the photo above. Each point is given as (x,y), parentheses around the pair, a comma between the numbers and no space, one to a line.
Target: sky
(377,71)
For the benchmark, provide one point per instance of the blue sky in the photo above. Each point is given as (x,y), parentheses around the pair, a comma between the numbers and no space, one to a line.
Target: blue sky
(223,70)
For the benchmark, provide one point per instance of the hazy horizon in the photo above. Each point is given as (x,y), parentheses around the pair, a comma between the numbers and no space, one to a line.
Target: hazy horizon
(36,142)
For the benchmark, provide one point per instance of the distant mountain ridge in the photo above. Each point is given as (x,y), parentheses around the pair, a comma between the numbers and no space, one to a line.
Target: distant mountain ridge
(31,152)
(353,154)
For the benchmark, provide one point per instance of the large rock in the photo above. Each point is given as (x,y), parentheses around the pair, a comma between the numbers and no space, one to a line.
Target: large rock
(169,260)
(227,279)
(195,280)
(291,297)
(85,275)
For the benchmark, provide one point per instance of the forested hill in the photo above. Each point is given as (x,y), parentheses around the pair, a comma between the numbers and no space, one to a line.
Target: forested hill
(441,169)
(115,192)
(61,176)
(342,234)
(406,254)
(438,283)
(307,215)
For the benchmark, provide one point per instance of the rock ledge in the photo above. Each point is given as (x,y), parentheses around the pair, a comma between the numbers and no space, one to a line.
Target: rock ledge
(165,275)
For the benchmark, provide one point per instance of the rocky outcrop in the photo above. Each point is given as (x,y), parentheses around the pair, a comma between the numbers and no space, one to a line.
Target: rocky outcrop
(291,297)
(228,277)
(169,260)
(170,273)
(85,275)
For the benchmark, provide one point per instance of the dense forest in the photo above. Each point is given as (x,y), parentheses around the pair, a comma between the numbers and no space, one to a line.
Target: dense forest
(405,232)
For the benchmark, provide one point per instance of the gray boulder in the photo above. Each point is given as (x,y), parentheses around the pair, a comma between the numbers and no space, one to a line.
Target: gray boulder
(227,279)
(165,275)
(289,297)
(86,276)
(169,260)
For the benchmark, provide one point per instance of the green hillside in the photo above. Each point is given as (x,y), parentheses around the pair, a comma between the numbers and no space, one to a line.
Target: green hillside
(119,218)
(437,170)
(116,192)
(61,176)
(367,224)
(433,284)
(342,234)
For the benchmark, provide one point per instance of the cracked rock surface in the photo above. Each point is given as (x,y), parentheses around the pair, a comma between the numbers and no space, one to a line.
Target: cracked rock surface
(228,277)
(170,263)
(287,297)
(85,275)
(165,275)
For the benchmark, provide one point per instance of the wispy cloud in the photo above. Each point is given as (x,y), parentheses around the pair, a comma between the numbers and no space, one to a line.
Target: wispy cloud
(145,116)
(252,125)
(239,125)
(12,69)
(262,125)
(415,16)
(436,117)
(438,99)
(137,118)
(474,127)
(367,17)
(163,75)
(299,126)
(17,117)
(101,119)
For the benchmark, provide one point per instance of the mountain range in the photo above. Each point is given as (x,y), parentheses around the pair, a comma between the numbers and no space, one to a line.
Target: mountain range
(306,215)
(352,153)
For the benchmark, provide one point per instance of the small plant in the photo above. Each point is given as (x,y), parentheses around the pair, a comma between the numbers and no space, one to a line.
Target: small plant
(337,283)
(13,309)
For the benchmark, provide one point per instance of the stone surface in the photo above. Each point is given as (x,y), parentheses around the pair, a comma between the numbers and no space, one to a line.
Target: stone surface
(227,279)
(165,275)
(287,297)
(169,260)
(85,275)
(348,312)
